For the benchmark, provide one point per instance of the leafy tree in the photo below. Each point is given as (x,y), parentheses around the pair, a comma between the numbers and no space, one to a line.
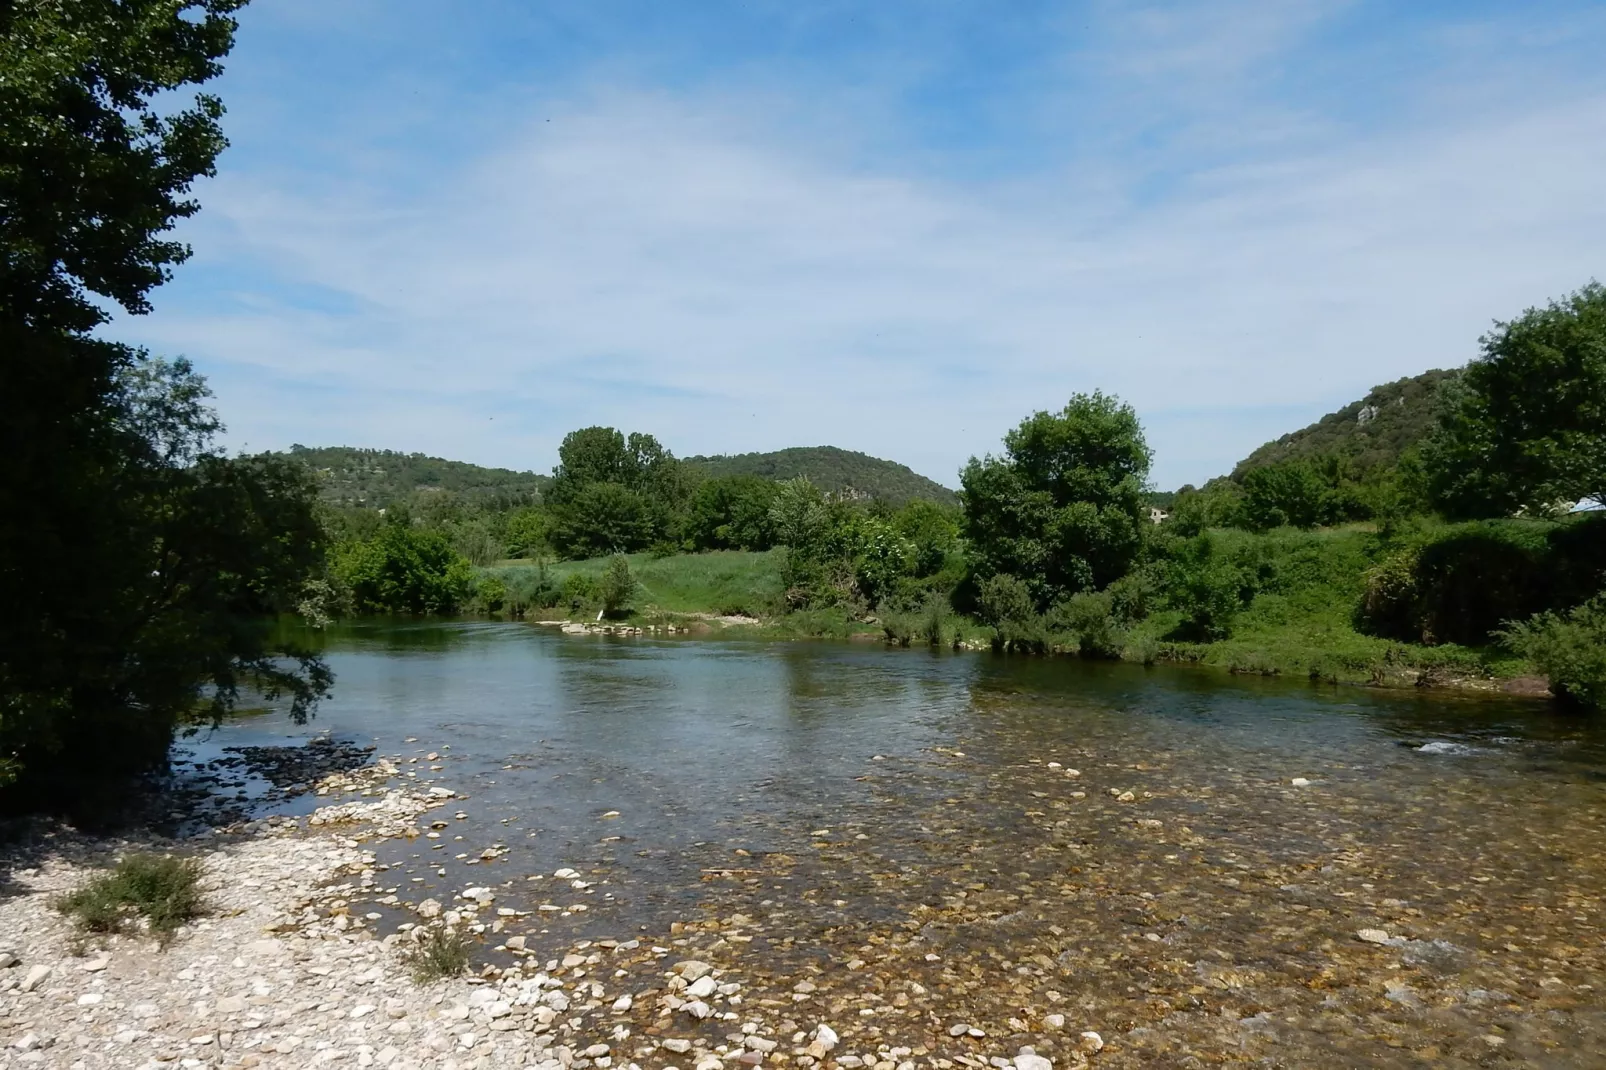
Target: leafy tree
(1217,504)
(932,531)
(1525,426)
(405,569)
(645,506)
(732,513)
(139,568)
(603,518)
(96,161)
(1290,494)
(799,516)
(1209,586)
(884,558)
(1064,507)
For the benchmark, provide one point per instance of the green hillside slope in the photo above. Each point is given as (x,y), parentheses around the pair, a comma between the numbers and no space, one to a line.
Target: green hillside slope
(361,477)
(1371,433)
(832,469)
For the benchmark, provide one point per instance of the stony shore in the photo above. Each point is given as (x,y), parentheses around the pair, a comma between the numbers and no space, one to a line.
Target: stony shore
(287,969)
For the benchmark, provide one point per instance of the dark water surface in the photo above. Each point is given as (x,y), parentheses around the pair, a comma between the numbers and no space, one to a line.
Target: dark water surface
(880,818)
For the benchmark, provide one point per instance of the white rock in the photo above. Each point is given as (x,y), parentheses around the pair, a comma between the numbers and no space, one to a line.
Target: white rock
(1030,1060)
(35,975)
(622,1004)
(697,1009)
(1054,1021)
(96,964)
(1300,782)
(1092,1043)
(702,988)
(1372,936)
(676,1045)
(958,1029)
(692,969)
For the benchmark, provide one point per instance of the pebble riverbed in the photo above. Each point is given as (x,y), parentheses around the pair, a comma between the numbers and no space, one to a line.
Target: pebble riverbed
(1132,917)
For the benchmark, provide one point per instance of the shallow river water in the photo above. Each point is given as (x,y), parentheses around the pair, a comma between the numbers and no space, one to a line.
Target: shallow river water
(932,840)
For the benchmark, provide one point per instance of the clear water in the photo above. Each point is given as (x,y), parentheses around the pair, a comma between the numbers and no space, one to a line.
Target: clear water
(885,816)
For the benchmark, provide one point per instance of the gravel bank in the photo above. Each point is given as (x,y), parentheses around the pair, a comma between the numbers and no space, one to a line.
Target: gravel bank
(287,971)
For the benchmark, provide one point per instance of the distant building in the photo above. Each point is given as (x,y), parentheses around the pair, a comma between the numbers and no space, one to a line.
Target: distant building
(1157,515)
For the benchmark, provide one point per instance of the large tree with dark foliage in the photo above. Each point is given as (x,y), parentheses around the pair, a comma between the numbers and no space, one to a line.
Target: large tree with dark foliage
(139,567)
(1525,427)
(1064,507)
(613,493)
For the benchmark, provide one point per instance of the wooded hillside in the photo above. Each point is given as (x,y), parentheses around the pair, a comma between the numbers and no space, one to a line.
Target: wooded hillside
(1370,433)
(833,470)
(373,478)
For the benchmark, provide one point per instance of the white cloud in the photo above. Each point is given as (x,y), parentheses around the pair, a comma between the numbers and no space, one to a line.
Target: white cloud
(659,263)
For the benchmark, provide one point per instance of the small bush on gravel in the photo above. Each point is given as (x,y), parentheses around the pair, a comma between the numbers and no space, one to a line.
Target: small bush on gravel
(442,953)
(163,890)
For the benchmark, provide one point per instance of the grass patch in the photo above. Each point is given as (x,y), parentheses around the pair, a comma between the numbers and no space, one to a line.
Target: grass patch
(162,890)
(441,954)
(721,582)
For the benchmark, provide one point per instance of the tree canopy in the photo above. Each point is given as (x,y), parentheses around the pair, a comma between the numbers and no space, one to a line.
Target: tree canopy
(141,569)
(95,162)
(1063,509)
(1525,428)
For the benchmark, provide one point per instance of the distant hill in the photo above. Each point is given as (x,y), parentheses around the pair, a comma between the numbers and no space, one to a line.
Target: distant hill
(374,478)
(1372,432)
(832,469)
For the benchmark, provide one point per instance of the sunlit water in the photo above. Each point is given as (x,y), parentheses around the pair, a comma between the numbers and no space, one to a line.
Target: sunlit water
(885,816)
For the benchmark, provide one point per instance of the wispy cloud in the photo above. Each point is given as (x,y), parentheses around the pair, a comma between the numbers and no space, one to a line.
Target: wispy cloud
(664,260)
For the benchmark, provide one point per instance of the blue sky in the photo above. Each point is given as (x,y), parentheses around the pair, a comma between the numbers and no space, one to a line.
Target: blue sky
(466,229)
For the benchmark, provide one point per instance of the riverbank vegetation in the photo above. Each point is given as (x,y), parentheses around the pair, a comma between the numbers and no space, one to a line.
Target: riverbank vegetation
(1422,535)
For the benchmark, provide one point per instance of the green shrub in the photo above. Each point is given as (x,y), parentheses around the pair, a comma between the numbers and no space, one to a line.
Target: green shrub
(1086,622)
(579,591)
(163,890)
(1208,587)
(1569,648)
(617,587)
(936,620)
(491,594)
(440,954)
(1003,599)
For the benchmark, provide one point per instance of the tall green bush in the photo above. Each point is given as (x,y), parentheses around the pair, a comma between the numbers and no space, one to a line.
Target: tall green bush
(617,587)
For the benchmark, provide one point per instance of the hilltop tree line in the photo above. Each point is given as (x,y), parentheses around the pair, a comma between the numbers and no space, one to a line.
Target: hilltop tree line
(614,493)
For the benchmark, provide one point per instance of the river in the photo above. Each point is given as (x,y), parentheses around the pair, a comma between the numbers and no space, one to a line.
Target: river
(1177,859)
